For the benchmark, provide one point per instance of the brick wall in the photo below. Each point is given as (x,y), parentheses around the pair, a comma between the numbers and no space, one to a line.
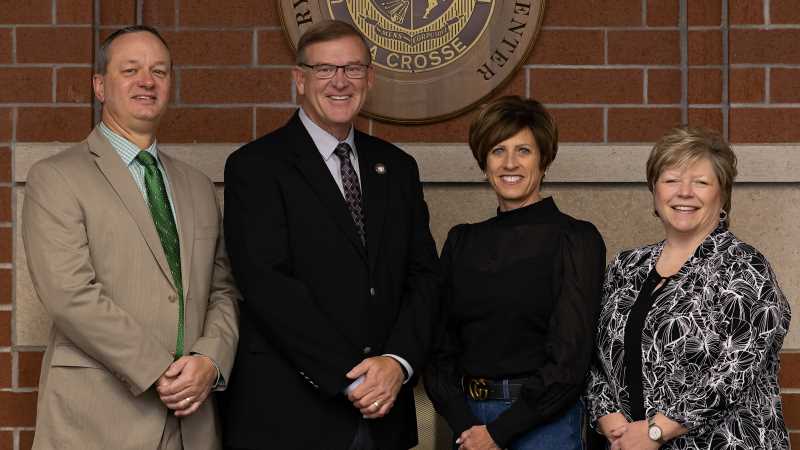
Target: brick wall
(612,71)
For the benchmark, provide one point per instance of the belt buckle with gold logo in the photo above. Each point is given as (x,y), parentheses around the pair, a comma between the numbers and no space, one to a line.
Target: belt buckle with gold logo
(478,388)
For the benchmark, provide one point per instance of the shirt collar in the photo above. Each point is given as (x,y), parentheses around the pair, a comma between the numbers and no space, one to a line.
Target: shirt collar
(326,143)
(126,149)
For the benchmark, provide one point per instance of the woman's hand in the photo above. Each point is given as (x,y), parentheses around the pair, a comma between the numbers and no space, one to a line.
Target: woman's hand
(613,426)
(476,438)
(635,437)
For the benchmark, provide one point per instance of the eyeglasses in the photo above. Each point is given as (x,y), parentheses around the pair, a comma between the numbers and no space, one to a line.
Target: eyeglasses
(326,71)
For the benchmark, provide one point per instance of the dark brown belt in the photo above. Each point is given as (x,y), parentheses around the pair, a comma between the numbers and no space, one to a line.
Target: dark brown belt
(486,389)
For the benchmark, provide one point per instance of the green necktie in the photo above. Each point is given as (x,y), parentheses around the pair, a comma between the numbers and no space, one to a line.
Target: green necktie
(167,231)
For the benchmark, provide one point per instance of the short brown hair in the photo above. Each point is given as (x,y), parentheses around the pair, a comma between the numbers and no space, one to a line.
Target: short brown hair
(101,61)
(685,145)
(325,31)
(504,117)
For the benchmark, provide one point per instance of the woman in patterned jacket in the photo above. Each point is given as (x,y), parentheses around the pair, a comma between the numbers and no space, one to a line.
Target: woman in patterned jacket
(690,328)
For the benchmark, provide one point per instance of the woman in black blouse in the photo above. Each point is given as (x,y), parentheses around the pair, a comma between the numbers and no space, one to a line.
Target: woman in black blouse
(521,298)
(691,327)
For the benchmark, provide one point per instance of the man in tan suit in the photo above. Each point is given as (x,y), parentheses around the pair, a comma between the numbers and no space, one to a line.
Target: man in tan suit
(126,252)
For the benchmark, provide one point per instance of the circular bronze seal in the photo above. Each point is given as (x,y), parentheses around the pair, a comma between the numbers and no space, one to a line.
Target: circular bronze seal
(433,59)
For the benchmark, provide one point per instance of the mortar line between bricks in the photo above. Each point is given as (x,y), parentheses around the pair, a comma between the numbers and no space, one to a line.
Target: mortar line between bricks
(53,11)
(764,66)
(644,13)
(233,66)
(645,91)
(50,25)
(766,105)
(778,26)
(602,66)
(767,19)
(12,429)
(767,84)
(14,364)
(611,28)
(42,66)
(605,47)
(45,105)
(24,390)
(177,11)
(6,307)
(53,86)
(233,105)
(254,60)
(612,105)
(14,45)
(605,125)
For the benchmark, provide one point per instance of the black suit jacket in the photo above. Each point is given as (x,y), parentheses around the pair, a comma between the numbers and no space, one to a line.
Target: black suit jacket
(316,302)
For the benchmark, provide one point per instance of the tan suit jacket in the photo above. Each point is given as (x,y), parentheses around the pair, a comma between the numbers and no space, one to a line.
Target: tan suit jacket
(99,269)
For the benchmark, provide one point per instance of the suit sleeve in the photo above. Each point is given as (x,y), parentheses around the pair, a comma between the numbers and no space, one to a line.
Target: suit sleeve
(221,329)
(559,382)
(56,245)
(413,331)
(257,239)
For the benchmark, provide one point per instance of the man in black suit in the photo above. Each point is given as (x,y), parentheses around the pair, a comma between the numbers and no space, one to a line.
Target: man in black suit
(328,237)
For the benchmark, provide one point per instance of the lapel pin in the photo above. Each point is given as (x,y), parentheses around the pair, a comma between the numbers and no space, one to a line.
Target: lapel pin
(380,169)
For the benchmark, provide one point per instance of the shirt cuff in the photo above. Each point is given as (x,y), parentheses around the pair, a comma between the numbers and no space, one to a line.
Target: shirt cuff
(409,372)
(353,385)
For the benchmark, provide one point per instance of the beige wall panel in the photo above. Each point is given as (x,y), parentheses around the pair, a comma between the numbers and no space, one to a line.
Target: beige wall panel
(764,215)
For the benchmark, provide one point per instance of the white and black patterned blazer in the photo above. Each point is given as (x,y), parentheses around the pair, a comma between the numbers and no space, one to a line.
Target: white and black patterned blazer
(710,345)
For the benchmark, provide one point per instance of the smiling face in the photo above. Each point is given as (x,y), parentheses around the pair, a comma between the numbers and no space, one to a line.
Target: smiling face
(513,170)
(134,90)
(333,103)
(688,200)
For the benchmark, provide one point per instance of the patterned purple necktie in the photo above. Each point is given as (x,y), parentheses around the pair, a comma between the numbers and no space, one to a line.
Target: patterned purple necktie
(352,192)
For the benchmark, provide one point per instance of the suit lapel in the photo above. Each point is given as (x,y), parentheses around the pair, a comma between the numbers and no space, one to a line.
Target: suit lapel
(374,193)
(309,162)
(120,179)
(184,215)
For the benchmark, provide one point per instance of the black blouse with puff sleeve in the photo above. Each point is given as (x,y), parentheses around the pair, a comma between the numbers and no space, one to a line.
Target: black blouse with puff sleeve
(521,297)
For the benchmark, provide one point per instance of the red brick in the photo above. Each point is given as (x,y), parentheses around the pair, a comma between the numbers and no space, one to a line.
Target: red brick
(235,85)
(5,204)
(5,286)
(158,12)
(789,375)
(5,46)
(75,11)
(706,118)
(228,13)
(764,46)
(578,124)
(54,45)
(705,48)
(784,85)
(273,48)
(663,86)
(663,13)
(30,364)
(568,47)
(644,47)
(117,12)
(5,316)
(207,125)
(452,130)
(592,13)
(762,125)
(705,86)
(587,85)
(516,85)
(7,440)
(791,410)
(25,440)
(33,11)
(65,124)
(704,13)
(269,119)
(74,85)
(640,124)
(5,371)
(5,124)
(784,11)
(746,85)
(19,409)
(744,12)
(26,84)
(210,47)
(794,439)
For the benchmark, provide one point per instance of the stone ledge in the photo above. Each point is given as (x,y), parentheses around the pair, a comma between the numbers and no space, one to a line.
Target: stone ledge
(453,163)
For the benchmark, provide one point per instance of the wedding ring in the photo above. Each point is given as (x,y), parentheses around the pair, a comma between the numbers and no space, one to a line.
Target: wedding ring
(376,404)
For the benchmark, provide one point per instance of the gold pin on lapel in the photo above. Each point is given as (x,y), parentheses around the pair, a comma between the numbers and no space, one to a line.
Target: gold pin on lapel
(380,169)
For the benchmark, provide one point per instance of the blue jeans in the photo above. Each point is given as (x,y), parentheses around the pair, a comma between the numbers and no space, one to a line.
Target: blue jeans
(563,433)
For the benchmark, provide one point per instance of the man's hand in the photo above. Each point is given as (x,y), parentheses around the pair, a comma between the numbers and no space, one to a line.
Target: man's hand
(186,384)
(635,437)
(476,438)
(383,378)
(613,426)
